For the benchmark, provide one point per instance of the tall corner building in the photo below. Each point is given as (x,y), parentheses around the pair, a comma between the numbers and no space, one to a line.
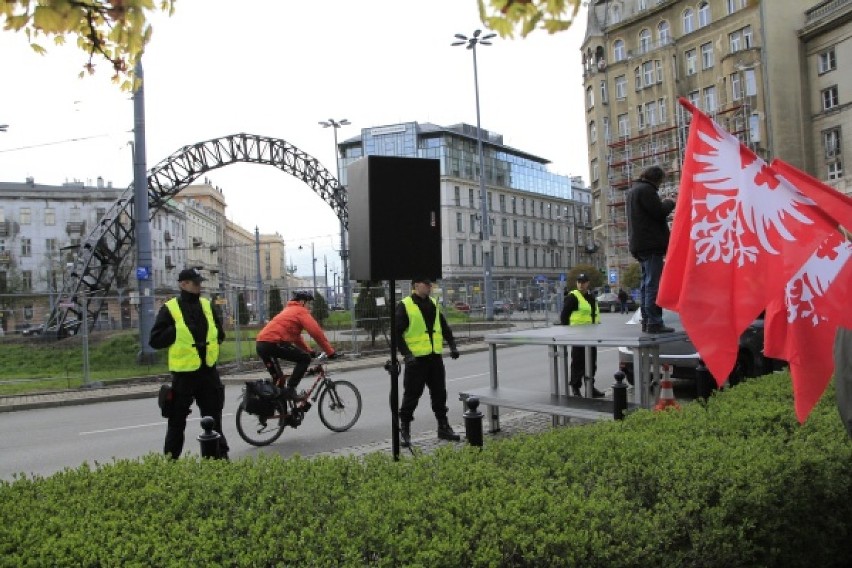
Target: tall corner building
(767,71)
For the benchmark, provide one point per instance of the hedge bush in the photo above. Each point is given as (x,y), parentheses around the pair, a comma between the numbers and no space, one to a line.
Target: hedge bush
(737,482)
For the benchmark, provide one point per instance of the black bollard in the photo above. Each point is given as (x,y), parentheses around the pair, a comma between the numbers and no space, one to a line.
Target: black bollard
(473,422)
(705,384)
(209,439)
(619,396)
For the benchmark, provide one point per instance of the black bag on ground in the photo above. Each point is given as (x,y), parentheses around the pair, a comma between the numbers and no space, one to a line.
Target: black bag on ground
(166,400)
(259,396)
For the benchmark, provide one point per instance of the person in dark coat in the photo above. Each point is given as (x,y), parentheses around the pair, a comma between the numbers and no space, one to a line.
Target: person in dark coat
(648,239)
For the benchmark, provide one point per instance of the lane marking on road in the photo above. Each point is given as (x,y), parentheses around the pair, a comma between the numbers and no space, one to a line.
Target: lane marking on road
(138,426)
(476,376)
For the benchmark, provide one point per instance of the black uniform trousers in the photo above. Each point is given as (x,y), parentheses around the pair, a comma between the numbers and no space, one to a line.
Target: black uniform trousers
(205,387)
(427,371)
(578,364)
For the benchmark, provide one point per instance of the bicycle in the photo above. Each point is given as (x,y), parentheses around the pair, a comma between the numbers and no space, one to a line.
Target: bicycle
(339,407)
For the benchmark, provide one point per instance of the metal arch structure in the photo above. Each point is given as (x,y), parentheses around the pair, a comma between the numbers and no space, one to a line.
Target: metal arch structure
(106,255)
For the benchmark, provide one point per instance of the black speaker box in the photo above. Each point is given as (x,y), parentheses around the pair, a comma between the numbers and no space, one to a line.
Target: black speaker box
(394,218)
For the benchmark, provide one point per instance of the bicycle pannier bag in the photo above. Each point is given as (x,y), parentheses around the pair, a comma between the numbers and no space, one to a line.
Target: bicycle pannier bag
(258,397)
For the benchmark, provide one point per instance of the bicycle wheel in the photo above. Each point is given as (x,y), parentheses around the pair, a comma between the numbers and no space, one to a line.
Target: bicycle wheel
(259,430)
(339,405)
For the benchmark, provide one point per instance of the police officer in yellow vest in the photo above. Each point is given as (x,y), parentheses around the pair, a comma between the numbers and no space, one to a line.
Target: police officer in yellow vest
(191,330)
(581,308)
(421,331)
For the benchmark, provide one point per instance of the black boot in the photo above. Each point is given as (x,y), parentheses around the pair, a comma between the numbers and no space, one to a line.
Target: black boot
(445,431)
(405,434)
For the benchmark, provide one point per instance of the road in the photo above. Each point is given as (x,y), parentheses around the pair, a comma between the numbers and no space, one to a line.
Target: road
(45,441)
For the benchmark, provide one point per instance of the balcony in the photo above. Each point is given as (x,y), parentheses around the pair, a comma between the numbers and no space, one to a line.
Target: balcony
(169,264)
(75,227)
(5,257)
(526,240)
(6,228)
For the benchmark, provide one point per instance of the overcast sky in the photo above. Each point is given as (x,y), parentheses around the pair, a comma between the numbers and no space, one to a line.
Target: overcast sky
(276,68)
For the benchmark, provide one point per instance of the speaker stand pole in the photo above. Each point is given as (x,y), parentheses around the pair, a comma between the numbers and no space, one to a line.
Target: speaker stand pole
(394,374)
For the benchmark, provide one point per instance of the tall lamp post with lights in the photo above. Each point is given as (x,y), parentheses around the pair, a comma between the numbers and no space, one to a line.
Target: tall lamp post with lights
(344,250)
(485,224)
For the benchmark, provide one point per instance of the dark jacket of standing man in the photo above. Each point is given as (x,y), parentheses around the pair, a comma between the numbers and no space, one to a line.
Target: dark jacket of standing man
(191,330)
(648,238)
(421,331)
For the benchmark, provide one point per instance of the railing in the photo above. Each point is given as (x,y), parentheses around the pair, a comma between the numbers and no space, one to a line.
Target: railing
(821,10)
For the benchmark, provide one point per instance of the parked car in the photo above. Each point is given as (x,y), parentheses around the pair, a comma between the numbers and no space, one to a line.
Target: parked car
(683,357)
(502,307)
(462,307)
(33,330)
(608,302)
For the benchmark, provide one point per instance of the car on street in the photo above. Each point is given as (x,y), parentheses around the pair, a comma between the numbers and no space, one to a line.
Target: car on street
(462,306)
(502,307)
(609,302)
(682,356)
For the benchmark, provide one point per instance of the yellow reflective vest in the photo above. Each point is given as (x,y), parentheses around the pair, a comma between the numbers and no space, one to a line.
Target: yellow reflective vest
(416,336)
(183,355)
(583,314)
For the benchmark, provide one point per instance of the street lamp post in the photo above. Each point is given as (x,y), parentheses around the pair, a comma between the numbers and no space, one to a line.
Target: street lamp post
(485,224)
(344,250)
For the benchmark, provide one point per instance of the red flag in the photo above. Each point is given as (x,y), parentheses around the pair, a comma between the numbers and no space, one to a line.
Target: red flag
(740,233)
(800,326)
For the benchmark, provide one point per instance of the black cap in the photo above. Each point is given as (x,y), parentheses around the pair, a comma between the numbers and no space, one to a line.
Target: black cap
(192,274)
(582,277)
(424,279)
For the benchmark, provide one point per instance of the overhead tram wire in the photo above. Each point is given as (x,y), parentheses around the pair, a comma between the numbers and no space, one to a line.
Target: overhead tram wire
(66,141)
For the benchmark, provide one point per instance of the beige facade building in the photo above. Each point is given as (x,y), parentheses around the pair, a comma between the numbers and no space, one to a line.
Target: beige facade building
(746,63)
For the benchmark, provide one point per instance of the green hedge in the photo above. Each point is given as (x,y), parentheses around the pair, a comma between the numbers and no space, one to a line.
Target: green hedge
(735,483)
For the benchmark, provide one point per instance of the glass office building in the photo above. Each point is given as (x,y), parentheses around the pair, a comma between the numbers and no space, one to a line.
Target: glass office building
(540,221)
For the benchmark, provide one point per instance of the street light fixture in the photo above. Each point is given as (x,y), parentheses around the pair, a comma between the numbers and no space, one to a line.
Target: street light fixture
(344,250)
(471,42)
(4,127)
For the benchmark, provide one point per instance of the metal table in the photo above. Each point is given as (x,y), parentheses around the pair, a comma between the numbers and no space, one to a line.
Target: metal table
(557,340)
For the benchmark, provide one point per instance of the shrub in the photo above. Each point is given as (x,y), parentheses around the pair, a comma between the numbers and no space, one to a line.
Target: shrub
(737,482)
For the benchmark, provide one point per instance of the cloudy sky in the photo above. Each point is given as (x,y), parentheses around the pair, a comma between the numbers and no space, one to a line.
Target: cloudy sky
(276,68)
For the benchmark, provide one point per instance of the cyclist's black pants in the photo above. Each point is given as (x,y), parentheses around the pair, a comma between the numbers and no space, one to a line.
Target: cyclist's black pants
(270,352)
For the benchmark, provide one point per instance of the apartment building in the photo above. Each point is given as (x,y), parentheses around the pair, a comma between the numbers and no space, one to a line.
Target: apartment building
(744,62)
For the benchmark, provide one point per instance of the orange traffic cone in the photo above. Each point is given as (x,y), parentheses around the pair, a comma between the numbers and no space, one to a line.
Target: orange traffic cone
(667,399)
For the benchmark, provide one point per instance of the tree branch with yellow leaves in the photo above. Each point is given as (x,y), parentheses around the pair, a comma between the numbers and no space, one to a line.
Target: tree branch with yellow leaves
(114,30)
(508,16)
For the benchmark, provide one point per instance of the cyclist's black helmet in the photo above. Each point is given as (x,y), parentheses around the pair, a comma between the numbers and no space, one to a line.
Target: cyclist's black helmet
(300,295)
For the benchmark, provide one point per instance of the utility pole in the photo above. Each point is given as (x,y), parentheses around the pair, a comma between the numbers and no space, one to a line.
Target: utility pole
(261,313)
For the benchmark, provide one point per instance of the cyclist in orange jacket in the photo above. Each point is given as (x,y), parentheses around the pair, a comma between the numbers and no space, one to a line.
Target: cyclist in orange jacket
(281,338)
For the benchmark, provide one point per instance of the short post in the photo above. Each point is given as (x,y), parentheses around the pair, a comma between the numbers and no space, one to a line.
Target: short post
(619,396)
(704,381)
(473,422)
(209,439)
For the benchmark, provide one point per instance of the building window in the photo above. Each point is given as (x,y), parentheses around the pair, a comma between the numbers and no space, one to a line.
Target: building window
(620,87)
(693,98)
(735,40)
(750,83)
(505,256)
(664,33)
(710,99)
(457,195)
(50,245)
(829,98)
(703,14)
(593,132)
(637,74)
(663,113)
(736,87)
(606,128)
(504,227)
(615,14)
(754,128)
(473,223)
(640,118)
(459,223)
(623,125)
(26,247)
(707,55)
(688,21)
(651,113)
(502,204)
(596,174)
(831,143)
(691,57)
(648,74)
(604,97)
(25,216)
(835,170)
(747,37)
(461,255)
(618,51)
(734,5)
(827,61)
(643,4)
(26,280)
(644,41)
(590,97)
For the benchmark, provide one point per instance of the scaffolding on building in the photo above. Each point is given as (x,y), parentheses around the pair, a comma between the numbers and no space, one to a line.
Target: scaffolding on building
(662,145)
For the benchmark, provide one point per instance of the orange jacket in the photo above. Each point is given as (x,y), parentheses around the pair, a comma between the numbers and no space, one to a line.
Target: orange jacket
(288,325)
